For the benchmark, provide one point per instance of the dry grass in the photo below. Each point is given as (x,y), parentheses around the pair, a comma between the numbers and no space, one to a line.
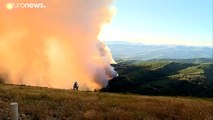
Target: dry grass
(54,104)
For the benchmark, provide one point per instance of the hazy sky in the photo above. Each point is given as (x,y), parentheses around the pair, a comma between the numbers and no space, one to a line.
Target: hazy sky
(187,22)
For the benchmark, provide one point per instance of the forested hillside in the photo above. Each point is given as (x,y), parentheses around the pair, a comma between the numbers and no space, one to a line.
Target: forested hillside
(163,78)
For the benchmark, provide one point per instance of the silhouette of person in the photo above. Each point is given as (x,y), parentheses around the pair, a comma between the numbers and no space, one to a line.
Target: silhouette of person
(75,86)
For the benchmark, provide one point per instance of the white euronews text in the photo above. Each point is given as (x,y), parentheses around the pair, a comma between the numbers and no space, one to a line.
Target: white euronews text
(25,5)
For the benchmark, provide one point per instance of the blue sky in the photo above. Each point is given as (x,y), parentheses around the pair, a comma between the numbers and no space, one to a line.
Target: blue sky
(182,22)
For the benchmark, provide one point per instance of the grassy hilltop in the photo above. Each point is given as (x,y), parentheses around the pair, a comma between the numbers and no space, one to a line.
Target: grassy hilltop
(163,78)
(54,104)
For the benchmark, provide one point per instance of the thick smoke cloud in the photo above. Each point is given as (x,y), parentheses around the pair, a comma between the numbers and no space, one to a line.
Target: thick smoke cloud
(56,45)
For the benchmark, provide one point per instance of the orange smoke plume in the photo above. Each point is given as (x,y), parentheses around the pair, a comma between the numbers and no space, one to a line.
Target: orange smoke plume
(54,44)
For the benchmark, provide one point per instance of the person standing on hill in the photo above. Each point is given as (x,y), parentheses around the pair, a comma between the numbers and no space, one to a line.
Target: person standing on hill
(75,86)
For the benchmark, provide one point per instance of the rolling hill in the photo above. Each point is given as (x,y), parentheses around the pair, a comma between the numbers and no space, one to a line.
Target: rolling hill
(163,78)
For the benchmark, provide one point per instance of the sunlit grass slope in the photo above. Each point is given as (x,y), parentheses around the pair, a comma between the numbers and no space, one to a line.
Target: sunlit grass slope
(55,104)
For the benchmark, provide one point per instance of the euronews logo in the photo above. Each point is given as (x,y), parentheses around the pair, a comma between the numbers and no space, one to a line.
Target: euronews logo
(11,6)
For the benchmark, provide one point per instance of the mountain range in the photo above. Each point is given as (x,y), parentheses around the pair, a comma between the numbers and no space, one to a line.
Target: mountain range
(137,51)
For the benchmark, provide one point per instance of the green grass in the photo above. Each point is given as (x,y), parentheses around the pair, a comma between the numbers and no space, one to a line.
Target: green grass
(45,103)
(153,65)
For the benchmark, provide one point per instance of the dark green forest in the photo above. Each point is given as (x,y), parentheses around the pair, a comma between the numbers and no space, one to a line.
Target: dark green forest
(163,78)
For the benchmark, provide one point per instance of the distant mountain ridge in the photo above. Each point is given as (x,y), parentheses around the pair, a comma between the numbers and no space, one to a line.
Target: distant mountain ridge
(190,60)
(138,51)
